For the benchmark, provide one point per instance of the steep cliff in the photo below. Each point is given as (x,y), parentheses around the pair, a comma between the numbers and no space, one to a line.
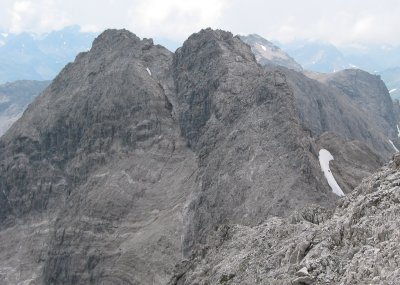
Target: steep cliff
(255,158)
(133,155)
(354,107)
(97,171)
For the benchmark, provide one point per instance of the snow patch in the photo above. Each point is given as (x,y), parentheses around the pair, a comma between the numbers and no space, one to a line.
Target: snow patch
(393,90)
(394,147)
(271,53)
(148,71)
(101,174)
(324,158)
(398,131)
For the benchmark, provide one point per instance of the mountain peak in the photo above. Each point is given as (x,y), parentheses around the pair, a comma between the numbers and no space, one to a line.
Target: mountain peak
(133,155)
(267,53)
(119,39)
(209,33)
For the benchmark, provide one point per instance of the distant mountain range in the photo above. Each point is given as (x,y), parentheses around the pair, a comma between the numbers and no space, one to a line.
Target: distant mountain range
(29,56)
(327,58)
(15,97)
(315,56)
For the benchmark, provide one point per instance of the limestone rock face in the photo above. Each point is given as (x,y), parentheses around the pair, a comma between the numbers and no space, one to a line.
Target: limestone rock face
(97,172)
(370,95)
(128,162)
(356,244)
(361,109)
(255,158)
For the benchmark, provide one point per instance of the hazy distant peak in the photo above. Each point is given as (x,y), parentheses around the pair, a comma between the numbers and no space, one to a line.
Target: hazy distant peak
(269,54)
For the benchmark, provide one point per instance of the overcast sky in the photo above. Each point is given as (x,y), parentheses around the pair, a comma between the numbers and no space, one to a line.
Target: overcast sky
(336,21)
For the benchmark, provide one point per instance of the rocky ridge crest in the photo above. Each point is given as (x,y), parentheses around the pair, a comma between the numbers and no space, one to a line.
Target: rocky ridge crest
(134,155)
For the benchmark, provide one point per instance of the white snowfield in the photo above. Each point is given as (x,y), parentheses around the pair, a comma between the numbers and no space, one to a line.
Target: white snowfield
(394,147)
(324,158)
(148,71)
(393,90)
(398,131)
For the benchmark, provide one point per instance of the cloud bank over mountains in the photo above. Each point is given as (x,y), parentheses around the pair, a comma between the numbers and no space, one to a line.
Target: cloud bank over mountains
(339,22)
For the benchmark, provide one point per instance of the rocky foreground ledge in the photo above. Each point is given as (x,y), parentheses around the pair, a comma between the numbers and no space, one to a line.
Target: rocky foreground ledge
(357,243)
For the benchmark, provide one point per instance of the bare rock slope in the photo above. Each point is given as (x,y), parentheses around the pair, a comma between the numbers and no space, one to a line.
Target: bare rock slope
(353,104)
(97,172)
(133,155)
(355,244)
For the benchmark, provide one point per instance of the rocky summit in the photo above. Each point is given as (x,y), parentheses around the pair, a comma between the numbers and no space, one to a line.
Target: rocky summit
(141,166)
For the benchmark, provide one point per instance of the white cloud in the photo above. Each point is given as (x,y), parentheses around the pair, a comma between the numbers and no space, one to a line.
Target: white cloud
(179,18)
(39,16)
(20,12)
(339,21)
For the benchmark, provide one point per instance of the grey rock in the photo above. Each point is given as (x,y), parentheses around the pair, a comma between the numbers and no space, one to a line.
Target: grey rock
(269,54)
(302,272)
(98,155)
(353,104)
(133,155)
(368,92)
(357,245)
(122,169)
(255,158)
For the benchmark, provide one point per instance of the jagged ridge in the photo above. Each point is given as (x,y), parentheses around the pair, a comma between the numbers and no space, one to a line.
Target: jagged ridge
(133,155)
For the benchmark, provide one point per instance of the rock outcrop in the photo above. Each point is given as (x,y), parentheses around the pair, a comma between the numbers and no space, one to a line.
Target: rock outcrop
(97,172)
(133,155)
(255,158)
(354,107)
(131,158)
(355,244)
